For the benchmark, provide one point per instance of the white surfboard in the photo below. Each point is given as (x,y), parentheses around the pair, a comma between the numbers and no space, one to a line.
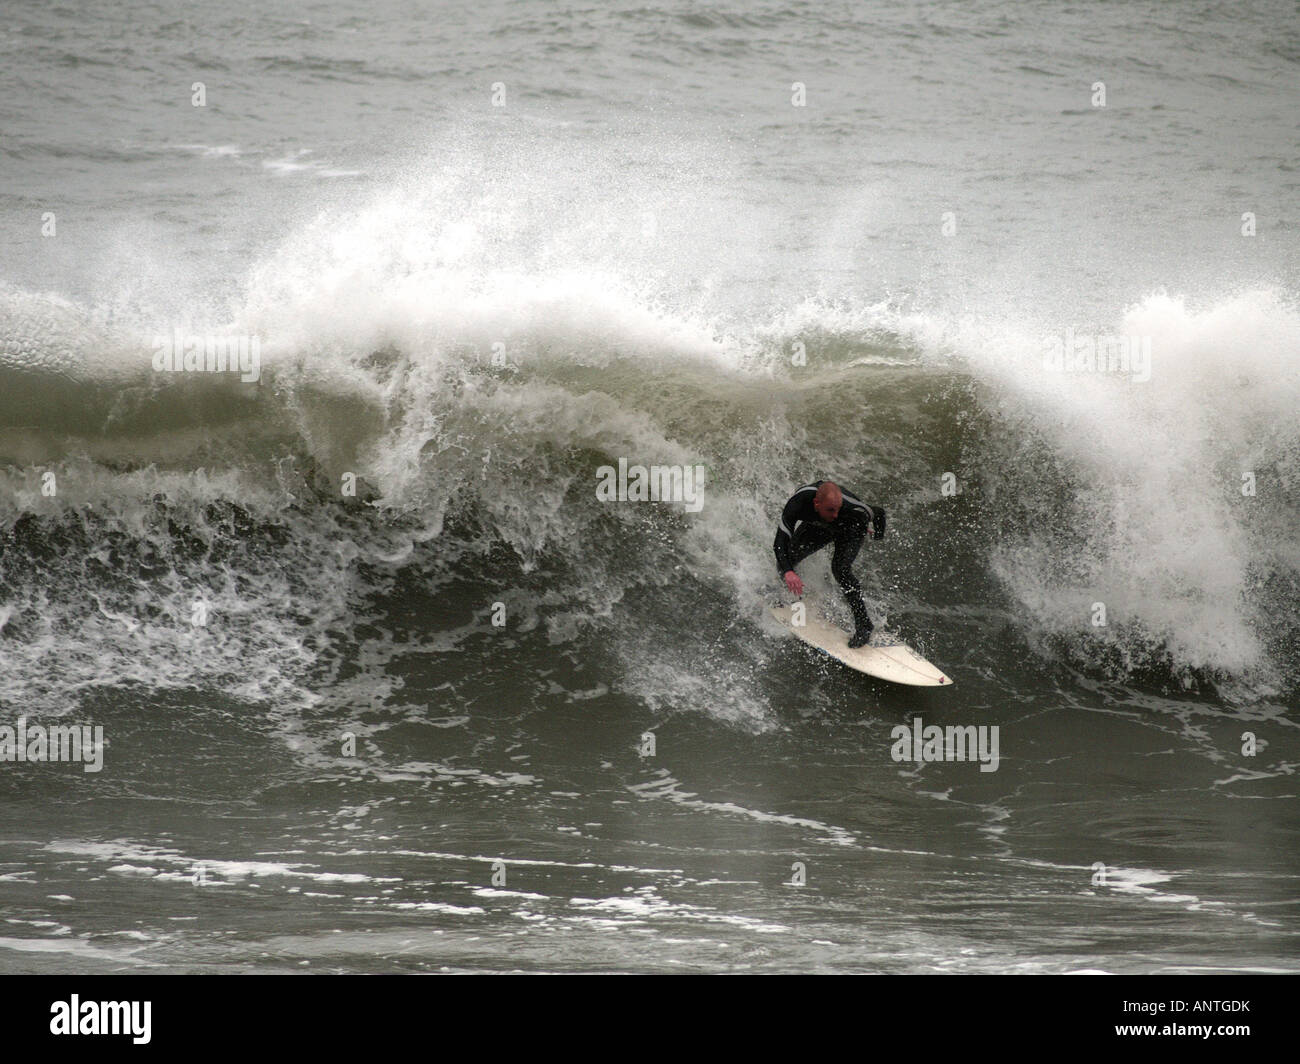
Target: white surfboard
(885,657)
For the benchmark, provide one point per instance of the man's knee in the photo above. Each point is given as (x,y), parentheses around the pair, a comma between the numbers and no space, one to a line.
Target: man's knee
(849,583)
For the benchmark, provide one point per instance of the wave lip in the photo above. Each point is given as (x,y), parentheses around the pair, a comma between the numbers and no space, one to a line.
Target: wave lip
(1156,520)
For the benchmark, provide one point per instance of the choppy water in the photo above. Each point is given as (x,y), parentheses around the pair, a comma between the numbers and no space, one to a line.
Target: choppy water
(650,230)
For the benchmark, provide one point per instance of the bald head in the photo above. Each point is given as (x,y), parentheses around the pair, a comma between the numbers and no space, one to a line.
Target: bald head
(828,500)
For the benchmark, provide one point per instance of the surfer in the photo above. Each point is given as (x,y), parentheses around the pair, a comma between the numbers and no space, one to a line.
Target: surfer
(822,513)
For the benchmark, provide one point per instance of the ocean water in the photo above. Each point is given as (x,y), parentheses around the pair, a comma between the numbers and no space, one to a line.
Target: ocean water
(485,249)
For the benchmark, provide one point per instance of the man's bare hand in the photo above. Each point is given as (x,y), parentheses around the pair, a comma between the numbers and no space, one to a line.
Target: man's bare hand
(793,582)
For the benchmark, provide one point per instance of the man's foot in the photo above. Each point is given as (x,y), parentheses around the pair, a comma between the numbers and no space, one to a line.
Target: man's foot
(861,637)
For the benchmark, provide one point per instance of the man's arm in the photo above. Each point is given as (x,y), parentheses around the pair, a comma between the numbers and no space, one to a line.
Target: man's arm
(783,547)
(871,516)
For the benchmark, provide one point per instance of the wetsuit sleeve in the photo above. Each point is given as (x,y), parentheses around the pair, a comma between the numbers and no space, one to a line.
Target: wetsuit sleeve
(877,522)
(785,535)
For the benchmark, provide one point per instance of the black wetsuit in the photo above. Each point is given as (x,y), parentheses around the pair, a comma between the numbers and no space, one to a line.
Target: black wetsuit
(801,531)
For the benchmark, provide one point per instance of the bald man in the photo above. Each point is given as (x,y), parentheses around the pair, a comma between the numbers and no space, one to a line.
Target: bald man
(822,513)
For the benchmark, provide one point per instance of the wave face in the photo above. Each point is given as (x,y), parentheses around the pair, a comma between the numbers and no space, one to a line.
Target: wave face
(471,351)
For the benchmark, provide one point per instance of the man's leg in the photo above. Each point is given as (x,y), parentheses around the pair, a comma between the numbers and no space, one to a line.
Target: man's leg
(846,549)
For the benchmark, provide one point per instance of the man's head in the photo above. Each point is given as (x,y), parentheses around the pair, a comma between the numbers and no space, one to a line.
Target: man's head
(827,501)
